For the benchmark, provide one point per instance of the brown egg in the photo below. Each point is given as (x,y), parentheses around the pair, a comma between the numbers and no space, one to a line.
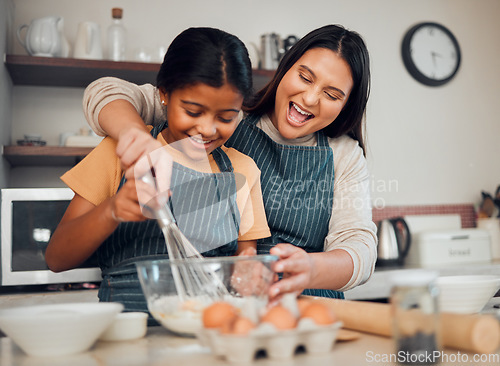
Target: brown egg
(321,314)
(241,326)
(302,304)
(280,317)
(227,327)
(218,315)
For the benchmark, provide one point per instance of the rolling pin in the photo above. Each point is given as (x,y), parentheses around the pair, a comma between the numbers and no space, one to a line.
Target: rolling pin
(468,332)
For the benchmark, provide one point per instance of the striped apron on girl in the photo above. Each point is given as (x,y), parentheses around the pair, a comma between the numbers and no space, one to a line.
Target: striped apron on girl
(297,187)
(204,205)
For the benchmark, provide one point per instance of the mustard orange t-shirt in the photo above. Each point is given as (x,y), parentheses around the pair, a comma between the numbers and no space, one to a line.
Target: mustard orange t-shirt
(98,176)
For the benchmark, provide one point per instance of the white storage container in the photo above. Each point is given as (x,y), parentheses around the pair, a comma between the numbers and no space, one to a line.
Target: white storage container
(441,247)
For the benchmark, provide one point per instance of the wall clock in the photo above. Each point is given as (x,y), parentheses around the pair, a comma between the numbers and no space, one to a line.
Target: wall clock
(431,53)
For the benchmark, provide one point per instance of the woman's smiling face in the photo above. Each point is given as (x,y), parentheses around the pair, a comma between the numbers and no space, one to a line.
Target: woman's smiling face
(312,93)
(201,117)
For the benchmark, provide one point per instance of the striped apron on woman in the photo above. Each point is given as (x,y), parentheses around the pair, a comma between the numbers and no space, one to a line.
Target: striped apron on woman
(297,187)
(204,205)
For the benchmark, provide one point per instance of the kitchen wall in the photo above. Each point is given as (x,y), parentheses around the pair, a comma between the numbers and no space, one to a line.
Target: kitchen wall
(425,145)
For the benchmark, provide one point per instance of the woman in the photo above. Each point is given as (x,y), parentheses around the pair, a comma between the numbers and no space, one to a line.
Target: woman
(305,132)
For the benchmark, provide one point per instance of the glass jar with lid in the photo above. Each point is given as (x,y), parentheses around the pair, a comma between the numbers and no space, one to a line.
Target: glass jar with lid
(414,307)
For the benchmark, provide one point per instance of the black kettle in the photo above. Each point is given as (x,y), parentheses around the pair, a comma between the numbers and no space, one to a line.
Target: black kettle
(394,241)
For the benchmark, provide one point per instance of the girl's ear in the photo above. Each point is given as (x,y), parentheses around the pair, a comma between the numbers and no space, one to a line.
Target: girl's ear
(163,96)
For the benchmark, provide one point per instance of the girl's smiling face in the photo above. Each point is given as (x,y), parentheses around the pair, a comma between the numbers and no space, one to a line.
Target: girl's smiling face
(201,117)
(312,93)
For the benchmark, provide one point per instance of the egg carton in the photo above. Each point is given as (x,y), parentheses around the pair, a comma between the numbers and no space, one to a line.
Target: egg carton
(278,344)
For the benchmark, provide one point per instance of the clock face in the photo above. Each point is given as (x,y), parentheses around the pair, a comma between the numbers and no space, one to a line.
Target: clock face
(431,54)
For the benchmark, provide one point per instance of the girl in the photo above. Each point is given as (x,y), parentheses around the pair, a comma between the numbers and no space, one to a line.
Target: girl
(305,132)
(202,83)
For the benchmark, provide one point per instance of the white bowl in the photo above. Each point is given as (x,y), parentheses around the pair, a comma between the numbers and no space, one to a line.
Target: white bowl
(126,326)
(466,294)
(57,329)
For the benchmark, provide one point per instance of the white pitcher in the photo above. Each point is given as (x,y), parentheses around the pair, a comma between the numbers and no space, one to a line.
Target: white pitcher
(88,41)
(43,37)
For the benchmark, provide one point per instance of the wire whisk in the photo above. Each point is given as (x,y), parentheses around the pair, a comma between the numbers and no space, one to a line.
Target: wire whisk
(192,278)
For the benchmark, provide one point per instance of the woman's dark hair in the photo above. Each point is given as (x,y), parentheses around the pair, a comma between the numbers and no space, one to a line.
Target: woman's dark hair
(209,56)
(351,47)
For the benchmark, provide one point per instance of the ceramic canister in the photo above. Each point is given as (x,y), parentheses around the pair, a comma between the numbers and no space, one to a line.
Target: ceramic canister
(492,226)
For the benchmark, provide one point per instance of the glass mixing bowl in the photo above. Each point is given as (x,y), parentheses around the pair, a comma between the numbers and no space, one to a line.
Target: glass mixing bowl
(243,281)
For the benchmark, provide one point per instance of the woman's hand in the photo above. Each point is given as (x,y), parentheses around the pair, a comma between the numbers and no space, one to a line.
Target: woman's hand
(139,152)
(134,143)
(297,267)
(251,278)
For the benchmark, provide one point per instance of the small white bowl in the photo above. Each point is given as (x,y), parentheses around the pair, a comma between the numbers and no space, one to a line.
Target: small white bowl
(466,294)
(126,326)
(57,329)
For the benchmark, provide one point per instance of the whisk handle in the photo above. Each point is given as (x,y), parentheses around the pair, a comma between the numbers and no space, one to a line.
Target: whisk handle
(164,215)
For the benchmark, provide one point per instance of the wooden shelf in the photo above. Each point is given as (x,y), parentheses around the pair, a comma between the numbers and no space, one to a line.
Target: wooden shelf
(261,77)
(44,155)
(71,72)
(54,71)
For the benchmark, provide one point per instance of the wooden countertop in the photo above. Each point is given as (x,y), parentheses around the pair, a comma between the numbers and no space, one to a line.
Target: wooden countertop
(160,347)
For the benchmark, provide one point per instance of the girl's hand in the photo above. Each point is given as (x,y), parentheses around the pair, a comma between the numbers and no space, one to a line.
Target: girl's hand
(125,205)
(297,267)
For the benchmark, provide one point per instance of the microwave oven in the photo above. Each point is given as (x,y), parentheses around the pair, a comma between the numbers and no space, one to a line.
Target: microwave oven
(29,216)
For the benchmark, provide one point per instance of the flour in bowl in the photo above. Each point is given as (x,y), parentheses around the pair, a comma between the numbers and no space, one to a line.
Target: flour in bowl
(186,317)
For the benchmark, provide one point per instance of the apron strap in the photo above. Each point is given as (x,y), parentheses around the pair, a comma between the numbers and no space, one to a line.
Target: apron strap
(322,139)
(222,161)
(158,128)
